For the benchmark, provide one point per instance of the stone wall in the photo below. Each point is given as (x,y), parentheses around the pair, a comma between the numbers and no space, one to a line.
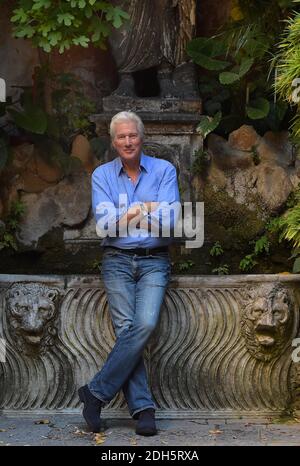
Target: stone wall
(223,345)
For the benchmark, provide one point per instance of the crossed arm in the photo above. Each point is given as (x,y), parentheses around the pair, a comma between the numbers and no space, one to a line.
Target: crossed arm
(110,218)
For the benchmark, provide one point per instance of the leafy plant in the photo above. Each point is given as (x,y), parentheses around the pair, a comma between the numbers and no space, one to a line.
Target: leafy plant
(59,25)
(208,124)
(273,225)
(9,227)
(200,162)
(288,70)
(221,270)
(183,266)
(216,250)
(247,263)
(51,134)
(289,227)
(238,81)
(96,265)
(71,106)
(262,245)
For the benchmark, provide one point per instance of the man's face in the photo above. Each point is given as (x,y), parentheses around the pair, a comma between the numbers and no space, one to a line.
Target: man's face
(127,141)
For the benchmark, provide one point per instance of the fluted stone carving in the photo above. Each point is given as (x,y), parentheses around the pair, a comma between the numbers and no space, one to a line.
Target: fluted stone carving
(203,358)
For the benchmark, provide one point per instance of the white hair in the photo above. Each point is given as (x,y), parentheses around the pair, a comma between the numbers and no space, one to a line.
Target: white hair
(126,116)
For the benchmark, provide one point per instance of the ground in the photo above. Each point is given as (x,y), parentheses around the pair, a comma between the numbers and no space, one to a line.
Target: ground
(70,430)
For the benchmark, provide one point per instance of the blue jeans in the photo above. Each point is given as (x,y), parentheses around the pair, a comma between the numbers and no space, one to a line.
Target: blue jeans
(135,288)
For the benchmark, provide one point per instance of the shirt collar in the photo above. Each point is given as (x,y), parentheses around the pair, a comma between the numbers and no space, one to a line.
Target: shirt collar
(143,163)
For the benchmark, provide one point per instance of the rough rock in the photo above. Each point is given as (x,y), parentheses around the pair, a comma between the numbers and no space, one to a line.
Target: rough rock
(268,180)
(244,138)
(273,185)
(66,204)
(46,171)
(21,156)
(34,174)
(280,146)
(241,187)
(31,183)
(225,156)
(81,149)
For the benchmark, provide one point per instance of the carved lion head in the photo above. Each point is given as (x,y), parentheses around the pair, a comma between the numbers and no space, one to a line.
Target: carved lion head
(31,313)
(267,319)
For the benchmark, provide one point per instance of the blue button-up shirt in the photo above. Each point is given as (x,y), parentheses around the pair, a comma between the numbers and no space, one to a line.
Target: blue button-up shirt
(157,182)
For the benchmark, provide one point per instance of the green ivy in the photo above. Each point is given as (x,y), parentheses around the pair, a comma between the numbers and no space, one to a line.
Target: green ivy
(60,25)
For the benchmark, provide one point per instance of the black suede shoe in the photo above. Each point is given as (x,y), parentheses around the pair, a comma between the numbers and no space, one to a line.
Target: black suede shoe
(92,408)
(146,423)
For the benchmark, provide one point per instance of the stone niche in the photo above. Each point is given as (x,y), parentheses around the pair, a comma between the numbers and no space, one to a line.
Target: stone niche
(223,347)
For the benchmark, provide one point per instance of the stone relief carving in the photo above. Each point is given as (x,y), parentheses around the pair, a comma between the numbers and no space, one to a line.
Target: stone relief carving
(156,36)
(31,316)
(199,359)
(266,320)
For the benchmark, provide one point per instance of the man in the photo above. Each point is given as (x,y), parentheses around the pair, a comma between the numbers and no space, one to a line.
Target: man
(135,265)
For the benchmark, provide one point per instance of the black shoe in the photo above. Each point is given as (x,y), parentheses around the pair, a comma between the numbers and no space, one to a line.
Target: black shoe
(146,423)
(92,408)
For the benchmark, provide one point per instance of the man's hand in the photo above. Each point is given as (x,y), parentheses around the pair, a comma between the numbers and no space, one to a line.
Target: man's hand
(151,206)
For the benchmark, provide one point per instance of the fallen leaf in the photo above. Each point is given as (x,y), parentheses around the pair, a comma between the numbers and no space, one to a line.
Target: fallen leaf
(3,430)
(133,441)
(216,432)
(80,432)
(100,438)
(42,421)
(163,441)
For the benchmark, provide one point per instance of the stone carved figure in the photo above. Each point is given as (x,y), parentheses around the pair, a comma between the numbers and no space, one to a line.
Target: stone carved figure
(156,36)
(31,314)
(267,320)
